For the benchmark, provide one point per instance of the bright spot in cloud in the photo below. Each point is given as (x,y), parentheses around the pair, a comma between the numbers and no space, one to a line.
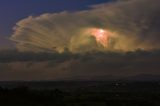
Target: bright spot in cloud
(102,36)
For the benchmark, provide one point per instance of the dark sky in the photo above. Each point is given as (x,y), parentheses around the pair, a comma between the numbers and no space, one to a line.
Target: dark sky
(15,10)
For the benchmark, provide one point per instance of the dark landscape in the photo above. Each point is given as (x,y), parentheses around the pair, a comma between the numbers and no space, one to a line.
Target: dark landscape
(80,93)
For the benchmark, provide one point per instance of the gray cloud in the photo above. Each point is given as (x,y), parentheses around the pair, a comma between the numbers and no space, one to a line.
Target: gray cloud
(134,22)
(90,66)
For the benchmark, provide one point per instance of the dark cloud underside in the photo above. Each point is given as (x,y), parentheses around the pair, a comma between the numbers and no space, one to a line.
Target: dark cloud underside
(101,66)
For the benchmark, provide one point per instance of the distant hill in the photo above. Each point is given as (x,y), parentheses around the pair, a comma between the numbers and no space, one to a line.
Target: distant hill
(143,77)
(140,77)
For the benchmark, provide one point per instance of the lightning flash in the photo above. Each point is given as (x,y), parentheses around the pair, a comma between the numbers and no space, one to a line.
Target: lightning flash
(102,36)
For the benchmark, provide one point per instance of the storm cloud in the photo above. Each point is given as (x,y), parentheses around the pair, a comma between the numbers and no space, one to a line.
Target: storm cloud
(58,46)
(135,24)
(90,66)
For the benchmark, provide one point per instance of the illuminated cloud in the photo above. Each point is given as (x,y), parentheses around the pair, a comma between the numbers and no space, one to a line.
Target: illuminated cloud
(134,24)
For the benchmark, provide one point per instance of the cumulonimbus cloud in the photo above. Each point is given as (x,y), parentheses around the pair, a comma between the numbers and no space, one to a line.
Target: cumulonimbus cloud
(135,24)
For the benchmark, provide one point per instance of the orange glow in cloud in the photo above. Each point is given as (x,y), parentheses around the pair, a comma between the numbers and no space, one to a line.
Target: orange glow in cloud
(102,36)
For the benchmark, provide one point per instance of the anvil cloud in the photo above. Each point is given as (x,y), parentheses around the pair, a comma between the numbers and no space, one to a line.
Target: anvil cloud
(135,24)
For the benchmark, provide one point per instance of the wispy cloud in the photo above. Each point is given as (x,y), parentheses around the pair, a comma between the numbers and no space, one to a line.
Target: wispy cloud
(135,22)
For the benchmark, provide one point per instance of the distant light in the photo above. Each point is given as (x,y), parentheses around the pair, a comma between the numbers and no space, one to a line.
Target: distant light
(117,84)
